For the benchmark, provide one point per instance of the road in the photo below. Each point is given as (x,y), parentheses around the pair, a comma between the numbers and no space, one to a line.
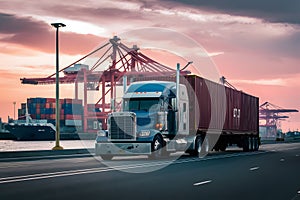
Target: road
(271,173)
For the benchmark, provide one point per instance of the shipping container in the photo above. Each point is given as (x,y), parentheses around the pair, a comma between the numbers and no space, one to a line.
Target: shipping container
(207,105)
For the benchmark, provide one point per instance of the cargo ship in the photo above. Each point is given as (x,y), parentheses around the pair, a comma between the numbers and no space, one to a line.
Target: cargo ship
(30,129)
(37,120)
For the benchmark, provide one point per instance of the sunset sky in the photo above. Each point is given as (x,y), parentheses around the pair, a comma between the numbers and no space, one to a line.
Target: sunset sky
(255,44)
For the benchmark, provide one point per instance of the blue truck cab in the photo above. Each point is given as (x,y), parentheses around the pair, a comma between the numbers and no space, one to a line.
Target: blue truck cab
(151,117)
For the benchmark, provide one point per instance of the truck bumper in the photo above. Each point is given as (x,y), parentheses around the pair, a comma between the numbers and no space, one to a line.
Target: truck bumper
(122,148)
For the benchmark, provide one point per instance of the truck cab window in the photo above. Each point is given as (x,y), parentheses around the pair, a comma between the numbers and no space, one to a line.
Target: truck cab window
(143,104)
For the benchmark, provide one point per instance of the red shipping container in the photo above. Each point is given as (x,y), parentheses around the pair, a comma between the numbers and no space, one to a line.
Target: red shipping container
(68,116)
(50,100)
(68,101)
(52,116)
(216,107)
(75,117)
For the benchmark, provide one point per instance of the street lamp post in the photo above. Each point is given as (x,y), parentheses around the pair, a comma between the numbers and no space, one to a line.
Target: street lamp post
(57,111)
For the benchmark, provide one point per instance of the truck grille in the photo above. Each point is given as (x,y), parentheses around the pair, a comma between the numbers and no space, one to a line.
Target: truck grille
(122,127)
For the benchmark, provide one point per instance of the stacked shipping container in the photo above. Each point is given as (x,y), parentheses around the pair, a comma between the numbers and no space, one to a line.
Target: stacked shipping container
(71,110)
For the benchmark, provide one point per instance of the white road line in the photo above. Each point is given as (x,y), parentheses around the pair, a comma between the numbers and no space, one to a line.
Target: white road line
(113,168)
(202,183)
(253,168)
(282,160)
(297,155)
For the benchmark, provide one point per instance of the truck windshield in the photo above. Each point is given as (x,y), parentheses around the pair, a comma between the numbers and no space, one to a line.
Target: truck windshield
(141,104)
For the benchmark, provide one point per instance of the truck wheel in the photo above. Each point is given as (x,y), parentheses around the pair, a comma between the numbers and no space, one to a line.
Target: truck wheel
(251,143)
(245,144)
(106,157)
(223,147)
(256,145)
(202,146)
(157,147)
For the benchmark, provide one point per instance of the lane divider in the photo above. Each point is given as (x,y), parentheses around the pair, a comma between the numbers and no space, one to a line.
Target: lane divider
(202,183)
(254,168)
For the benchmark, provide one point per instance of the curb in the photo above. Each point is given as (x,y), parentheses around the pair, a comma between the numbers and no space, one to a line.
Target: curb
(44,154)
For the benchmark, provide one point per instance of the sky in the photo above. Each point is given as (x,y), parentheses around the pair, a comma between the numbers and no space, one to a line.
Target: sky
(255,44)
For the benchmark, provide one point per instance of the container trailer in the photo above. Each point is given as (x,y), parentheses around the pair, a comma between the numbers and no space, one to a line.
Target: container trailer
(164,114)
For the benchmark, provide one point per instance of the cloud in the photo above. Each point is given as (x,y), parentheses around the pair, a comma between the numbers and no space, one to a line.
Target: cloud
(277,11)
(38,35)
(273,82)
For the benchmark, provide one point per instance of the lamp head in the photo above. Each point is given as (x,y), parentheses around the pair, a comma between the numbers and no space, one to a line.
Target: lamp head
(57,25)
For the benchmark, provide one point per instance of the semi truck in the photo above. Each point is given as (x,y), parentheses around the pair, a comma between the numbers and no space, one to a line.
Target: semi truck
(165,114)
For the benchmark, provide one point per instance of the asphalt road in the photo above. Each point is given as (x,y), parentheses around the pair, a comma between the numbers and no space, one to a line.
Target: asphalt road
(271,173)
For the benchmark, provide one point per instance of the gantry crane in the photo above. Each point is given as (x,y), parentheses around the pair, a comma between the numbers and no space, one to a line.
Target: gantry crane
(270,116)
(122,61)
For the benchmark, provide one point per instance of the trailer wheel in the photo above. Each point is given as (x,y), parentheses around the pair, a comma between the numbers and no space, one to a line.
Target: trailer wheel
(106,157)
(251,143)
(202,146)
(245,144)
(256,144)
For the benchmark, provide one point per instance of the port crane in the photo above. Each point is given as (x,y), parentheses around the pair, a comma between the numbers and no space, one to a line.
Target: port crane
(118,60)
(270,116)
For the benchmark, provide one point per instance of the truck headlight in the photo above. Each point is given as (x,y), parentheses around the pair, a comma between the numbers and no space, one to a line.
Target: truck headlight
(144,133)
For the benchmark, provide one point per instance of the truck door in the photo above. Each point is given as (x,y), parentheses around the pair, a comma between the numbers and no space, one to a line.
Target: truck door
(171,116)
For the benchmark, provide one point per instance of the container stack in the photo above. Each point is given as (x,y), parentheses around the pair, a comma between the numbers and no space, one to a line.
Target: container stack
(71,110)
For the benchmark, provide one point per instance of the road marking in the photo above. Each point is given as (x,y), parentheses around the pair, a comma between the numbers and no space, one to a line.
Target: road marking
(202,183)
(297,155)
(282,160)
(253,168)
(114,168)
(298,192)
